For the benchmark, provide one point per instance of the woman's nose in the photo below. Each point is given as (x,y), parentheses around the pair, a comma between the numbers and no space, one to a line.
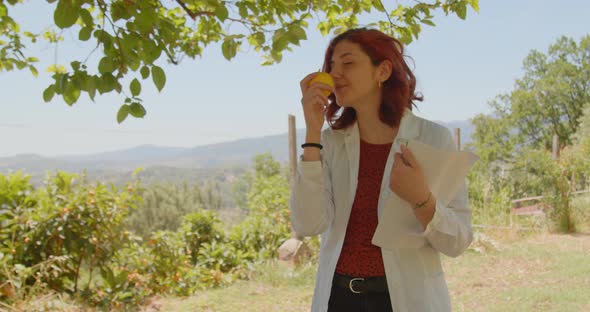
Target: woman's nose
(335,72)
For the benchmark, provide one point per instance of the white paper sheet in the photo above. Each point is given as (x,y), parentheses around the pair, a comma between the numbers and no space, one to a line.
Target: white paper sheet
(445,172)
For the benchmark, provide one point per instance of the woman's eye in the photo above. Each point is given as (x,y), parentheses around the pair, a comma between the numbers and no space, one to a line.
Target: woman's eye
(347,63)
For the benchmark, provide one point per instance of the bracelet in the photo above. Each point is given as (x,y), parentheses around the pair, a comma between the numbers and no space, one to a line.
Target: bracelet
(304,145)
(422,204)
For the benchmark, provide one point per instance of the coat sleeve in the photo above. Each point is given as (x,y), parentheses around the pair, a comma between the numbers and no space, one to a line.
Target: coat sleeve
(450,230)
(311,202)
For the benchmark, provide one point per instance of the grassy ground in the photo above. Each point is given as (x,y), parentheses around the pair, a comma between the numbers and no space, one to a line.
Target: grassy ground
(540,272)
(510,272)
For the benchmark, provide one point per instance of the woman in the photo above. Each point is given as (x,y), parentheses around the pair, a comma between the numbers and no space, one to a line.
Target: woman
(357,168)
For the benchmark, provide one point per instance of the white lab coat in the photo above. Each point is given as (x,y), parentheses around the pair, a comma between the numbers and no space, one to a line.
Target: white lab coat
(322,198)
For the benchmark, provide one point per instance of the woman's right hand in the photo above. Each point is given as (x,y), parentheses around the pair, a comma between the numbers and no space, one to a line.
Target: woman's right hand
(314,103)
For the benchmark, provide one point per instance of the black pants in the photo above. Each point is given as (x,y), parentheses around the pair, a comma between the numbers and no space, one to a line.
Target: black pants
(344,300)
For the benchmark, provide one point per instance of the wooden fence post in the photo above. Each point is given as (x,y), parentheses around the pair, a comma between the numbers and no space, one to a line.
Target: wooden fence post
(292,148)
(458,138)
(293,158)
(555,146)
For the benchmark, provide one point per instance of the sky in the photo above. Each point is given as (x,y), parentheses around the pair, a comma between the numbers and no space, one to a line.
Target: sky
(460,66)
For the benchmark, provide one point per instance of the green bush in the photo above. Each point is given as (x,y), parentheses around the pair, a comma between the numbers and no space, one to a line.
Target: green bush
(67,224)
(490,203)
(260,236)
(201,227)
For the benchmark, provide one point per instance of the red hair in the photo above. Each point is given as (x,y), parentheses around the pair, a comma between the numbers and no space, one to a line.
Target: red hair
(397,91)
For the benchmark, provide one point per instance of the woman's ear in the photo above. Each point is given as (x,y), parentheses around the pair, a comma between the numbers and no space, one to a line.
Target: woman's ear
(384,70)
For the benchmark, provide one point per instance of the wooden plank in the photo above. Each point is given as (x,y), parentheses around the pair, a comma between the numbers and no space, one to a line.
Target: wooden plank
(528,210)
(527,198)
(541,197)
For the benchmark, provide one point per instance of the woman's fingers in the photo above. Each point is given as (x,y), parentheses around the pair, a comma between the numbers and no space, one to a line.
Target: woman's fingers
(408,156)
(401,160)
(323,98)
(304,84)
(315,97)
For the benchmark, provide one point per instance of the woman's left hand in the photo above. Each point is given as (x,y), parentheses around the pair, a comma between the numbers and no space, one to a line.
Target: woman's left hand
(407,179)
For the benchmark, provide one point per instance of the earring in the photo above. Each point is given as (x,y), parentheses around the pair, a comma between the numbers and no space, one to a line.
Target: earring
(379,84)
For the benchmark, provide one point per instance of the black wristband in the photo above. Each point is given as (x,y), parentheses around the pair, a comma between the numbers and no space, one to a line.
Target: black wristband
(304,145)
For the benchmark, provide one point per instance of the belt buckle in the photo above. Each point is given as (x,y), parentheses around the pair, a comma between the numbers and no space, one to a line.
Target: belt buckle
(350,284)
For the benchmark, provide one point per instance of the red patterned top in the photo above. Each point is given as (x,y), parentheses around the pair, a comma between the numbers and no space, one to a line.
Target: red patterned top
(359,257)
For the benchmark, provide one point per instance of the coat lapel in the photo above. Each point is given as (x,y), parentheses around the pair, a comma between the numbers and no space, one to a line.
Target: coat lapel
(409,129)
(352,144)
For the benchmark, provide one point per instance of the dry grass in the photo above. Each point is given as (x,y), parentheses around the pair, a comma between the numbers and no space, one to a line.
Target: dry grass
(545,272)
(244,297)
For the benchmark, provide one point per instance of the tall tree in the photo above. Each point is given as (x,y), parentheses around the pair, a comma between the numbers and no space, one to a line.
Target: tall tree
(132,35)
(548,100)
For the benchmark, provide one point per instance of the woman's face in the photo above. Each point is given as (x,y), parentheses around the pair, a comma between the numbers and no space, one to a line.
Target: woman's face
(355,76)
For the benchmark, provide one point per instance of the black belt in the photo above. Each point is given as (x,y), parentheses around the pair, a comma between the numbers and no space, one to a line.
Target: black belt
(361,285)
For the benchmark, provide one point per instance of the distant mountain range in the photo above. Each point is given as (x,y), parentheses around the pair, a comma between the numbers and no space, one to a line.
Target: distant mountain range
(171,163)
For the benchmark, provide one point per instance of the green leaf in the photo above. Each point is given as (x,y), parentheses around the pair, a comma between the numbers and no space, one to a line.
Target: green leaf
(133,61)
(146,20)
(123,113)
(159,77)
(34,71)
(75,65)
(150,51)
(221,12)
(48,93)
(229,48)
(242,9)
(91,87)
(145,72)
(280,40)
(474,4)
(106,65)
(137,110)
(461,10)
(415,28)
(85,33)
(71,94)
(61,82)
(258,38)
(298,32)
(106,83)
(86,18)
(135,87)
(428,22)
(276,56)
(66,13)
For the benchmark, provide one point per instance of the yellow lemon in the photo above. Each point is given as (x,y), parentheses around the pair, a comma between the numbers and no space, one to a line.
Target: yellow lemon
(323,78)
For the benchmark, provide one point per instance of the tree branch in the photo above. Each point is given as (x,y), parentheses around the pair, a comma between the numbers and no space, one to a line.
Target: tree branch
(387,14)
(192,14)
